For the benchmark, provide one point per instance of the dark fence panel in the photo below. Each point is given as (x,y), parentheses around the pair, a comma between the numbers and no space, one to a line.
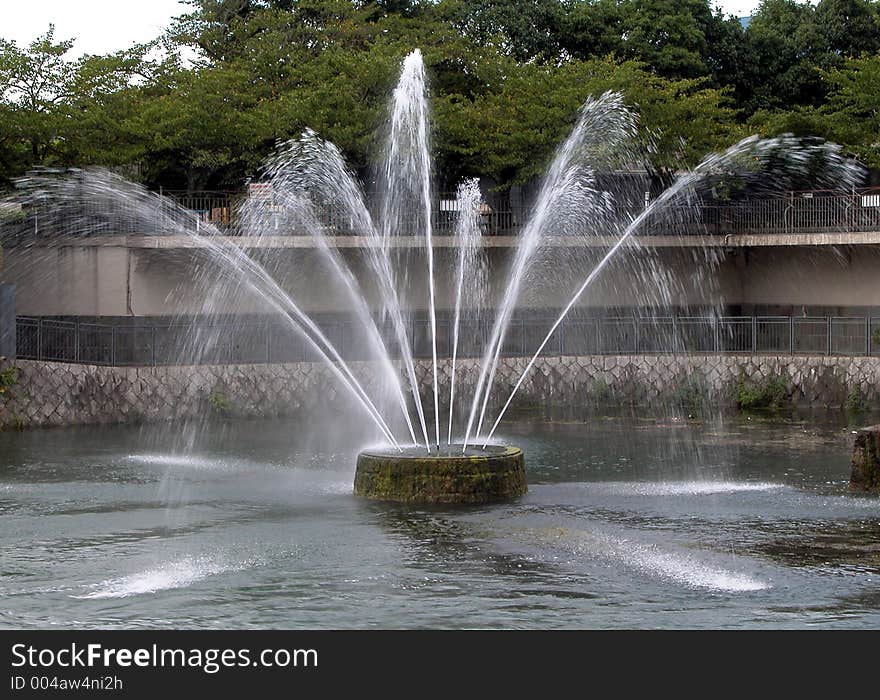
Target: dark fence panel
(265,342)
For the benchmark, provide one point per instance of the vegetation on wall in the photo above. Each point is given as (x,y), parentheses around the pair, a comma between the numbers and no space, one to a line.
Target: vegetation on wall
(219,403)
(8,379)
(770,393)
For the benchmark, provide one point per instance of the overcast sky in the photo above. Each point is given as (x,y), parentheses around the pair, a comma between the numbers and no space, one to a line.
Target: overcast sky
(102,26)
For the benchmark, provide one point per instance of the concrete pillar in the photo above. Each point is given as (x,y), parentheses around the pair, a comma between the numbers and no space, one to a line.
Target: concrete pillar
(7,321)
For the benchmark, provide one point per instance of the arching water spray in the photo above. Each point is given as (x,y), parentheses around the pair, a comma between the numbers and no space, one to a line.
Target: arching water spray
(73,200)
(604,127)
(467,241)
(316,167)
(407,178)
(290,191)
(752,153)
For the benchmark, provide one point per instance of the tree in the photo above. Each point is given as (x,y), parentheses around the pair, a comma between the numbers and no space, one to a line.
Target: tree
(522,29)
(54,111)
(668,35)
(784,44)
(511,133)
(729,59)
(506,80)
(13,154)
(593,29)
(848,27)
(100,113)
(33,82)
(328,66)
(853,109)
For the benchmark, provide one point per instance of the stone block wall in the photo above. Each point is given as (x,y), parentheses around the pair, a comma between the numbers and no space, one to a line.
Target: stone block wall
(810,380)
(49,394)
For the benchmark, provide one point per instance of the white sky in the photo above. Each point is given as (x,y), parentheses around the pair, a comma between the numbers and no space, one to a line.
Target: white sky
(102,26)
(99,26)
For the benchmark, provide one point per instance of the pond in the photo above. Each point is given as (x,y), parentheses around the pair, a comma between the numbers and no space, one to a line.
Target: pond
(627,523)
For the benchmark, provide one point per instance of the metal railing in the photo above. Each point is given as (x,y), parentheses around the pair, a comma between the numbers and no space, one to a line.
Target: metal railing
(795,212)
(259,342)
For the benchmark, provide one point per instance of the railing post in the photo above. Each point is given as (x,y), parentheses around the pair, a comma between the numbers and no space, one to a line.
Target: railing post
(791,335)
(268,342)
(852,208)
(76,341)
(636,335)
(40,339)
(828,329)
(113,345)
(754,334)
(153,345)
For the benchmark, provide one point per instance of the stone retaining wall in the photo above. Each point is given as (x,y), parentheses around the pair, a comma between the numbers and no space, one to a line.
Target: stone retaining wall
(47,393)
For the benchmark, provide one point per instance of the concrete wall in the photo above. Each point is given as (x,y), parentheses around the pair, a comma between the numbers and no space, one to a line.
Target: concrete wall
(119,281)
(827,276)
(49,394)
(75,281)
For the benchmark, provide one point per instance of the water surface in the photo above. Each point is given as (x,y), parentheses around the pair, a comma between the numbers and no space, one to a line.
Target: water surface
(253,524)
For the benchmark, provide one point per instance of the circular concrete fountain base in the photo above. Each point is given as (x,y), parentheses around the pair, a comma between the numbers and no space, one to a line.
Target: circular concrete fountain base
(413,476)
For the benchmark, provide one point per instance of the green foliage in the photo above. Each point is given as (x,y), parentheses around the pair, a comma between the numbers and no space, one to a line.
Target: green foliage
(668,35)
(776,394)
(853,109)
(521,29)
(511,132)
(691,395)
(34,82)
(219,403)
(55,111)
(8,379)
(600,392)
(771,393)
(855,402)
(9,215)
(507,78)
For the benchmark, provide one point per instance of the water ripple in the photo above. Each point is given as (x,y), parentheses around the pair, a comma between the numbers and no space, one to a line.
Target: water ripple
(651,559)
(676,488)
(176,574)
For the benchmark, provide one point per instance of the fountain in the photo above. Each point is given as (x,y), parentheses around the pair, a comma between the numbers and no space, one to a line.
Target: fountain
(451,475)
(424,457)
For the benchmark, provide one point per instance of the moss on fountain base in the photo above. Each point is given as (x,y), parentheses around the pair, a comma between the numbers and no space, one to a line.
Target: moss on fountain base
(496,474)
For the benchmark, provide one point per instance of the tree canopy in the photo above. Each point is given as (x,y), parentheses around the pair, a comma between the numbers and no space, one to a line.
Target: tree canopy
(507,78)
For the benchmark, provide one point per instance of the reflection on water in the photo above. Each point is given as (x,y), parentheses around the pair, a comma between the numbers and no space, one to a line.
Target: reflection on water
(626,524)
(853,544)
